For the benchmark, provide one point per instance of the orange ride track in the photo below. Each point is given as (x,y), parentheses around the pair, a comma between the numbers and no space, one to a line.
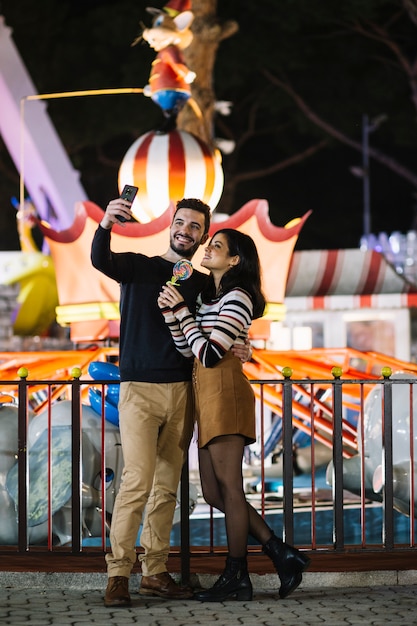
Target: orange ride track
(47,366)
(311,404)
(312,409)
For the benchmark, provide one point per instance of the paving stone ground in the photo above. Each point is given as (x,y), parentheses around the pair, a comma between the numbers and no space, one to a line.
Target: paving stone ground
(34,602)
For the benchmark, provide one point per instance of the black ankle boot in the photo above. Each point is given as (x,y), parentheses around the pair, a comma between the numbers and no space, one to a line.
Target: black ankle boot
(234,583)
(289,562)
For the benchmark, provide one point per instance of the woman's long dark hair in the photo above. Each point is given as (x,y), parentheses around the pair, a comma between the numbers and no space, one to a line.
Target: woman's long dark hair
(246,274)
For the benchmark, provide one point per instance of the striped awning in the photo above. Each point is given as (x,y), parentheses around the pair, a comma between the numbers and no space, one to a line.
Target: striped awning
(345,279)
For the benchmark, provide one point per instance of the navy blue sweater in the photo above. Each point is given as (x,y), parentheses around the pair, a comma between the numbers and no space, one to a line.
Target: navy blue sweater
(147,351)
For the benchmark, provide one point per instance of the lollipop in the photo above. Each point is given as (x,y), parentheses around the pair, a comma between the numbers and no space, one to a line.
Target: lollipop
(181,271)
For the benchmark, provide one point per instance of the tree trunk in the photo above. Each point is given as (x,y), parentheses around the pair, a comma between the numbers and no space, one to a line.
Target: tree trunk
(200,56)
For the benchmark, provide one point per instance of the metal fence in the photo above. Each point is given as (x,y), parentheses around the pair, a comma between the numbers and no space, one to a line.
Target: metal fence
(60,462)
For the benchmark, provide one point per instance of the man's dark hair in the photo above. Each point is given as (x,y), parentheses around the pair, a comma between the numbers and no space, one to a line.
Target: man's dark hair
(196,205)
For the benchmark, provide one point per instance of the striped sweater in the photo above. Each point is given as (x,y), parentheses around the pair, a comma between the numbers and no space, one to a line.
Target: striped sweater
(217,326)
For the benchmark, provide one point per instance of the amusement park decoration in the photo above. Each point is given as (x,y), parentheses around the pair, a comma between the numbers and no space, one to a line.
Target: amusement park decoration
(170,78)
(168,167)
(367,466)
(39,512)
(399,249)
(34,272)
(89,305)
(168,164)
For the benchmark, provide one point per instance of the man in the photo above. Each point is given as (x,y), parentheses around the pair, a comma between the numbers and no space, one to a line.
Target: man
(155,405)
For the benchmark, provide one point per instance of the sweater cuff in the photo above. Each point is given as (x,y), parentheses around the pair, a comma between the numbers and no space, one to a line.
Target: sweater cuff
(180,310)
(169,317)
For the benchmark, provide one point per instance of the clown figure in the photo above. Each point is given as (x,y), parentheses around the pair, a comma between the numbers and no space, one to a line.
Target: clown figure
(170,78)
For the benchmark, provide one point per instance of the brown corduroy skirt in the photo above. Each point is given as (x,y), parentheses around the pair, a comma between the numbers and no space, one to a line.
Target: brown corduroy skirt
(224,399)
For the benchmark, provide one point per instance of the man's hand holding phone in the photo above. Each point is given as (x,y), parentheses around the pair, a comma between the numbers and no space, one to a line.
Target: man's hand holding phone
(119,210)
(129,193)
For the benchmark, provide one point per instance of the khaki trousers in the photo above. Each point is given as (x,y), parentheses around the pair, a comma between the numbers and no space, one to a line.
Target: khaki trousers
(156,421)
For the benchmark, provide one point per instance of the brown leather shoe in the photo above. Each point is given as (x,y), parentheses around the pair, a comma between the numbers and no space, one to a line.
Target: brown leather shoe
(164,586)
(117,592)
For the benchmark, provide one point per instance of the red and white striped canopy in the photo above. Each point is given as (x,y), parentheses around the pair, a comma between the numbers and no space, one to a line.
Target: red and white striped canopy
(353,278)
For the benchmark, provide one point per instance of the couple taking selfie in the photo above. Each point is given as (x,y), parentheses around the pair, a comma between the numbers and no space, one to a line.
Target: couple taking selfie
(181,354)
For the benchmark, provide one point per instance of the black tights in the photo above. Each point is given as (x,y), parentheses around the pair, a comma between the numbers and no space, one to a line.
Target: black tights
(222,484)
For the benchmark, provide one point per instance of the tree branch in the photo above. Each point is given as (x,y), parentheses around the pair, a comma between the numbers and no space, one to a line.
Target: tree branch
(380,34)
(281,165)
(379,156)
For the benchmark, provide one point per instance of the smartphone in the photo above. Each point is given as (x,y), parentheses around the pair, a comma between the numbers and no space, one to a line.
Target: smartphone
(128,193)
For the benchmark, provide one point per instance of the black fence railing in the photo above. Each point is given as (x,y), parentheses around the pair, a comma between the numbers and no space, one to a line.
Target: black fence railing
(353,492)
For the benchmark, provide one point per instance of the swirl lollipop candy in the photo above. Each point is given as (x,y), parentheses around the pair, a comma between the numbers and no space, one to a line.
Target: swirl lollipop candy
(181,271)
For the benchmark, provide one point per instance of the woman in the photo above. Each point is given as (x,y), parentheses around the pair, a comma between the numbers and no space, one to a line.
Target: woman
(225,405)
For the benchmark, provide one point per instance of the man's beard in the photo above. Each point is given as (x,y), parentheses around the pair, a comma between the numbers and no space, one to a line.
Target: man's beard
(186,254)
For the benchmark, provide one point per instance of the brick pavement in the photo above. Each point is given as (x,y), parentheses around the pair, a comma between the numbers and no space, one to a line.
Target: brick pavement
(33,600)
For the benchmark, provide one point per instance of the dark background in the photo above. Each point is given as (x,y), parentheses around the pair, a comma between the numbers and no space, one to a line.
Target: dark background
(344,60)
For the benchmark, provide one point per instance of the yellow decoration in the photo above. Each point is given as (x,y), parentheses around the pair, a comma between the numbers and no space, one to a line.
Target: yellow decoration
(386,372)
(76,372)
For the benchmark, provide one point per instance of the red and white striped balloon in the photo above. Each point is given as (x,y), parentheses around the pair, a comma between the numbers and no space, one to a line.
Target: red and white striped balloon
(168,167)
